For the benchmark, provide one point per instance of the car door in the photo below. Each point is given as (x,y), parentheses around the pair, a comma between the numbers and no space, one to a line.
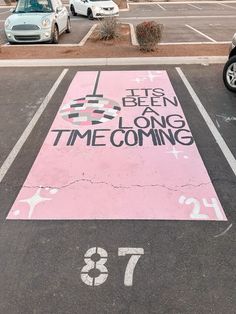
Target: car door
(61,15)
(81,7)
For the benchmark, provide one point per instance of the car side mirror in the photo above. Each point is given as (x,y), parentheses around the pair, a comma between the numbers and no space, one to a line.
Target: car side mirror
(12,10)
(58,10)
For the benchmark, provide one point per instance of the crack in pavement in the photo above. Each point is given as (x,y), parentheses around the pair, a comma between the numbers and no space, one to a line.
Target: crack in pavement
(175,189)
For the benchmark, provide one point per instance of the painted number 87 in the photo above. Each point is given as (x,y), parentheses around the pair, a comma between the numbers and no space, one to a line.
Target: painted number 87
(95,273)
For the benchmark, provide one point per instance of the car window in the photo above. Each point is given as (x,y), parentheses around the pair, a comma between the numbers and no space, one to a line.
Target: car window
(30,6)
(58,4)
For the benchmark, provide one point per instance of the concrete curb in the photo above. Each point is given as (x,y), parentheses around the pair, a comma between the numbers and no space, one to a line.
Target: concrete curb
(206,60)
(83,41)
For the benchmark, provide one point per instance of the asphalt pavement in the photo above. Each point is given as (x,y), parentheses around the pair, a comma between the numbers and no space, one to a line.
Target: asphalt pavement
(185,22)
(182,267)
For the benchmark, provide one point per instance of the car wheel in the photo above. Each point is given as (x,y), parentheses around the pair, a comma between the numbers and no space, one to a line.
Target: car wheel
(72,9)
(68,27)
(229,74)
(90,14)
(55,35)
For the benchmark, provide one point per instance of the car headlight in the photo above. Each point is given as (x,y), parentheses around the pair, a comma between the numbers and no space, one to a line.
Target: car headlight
(7,24)
(234,40)
(46,23)
(94,8)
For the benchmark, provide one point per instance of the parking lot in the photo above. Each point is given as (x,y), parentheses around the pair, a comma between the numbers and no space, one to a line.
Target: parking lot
(185,266)
(183,23)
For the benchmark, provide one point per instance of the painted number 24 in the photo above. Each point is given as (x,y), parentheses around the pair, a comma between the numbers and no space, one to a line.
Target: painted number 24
(95,273)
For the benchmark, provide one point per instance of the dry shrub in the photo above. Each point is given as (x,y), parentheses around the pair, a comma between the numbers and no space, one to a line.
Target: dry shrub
(107,29)
(148,35)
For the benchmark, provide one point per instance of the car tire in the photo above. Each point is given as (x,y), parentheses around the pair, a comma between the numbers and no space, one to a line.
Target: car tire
(72,9)
(90,14)
(68,27)
(55,35)
(229,74)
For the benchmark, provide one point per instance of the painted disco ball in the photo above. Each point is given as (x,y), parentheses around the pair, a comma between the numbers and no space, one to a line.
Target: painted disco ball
(89,110)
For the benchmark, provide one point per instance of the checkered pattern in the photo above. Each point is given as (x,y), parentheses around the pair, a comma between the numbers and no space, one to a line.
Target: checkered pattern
(92,109)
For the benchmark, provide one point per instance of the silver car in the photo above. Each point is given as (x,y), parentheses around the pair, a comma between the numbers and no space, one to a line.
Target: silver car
(37,21)
(229,72)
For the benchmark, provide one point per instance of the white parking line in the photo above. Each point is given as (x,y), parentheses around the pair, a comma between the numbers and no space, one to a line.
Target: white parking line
(219,139)
(83,41)
(177,17)
(194,6)
(160,6)
(178,2)
(16,149)
(197,31)
(226,5)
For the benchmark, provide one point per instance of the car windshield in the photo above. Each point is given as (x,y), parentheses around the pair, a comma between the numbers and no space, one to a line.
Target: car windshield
(30,6)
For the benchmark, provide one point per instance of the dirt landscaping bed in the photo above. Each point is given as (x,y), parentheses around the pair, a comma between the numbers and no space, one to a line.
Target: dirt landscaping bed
(117,48)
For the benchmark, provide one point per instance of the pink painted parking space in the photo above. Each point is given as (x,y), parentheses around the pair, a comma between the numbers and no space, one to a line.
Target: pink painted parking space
(119,148)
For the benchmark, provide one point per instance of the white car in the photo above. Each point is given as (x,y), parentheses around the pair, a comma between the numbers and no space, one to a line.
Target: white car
(94,8)
(37,21)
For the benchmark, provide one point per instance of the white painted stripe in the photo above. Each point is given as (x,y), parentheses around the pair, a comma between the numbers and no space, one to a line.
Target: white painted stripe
(133,35)
(179,2)
(204,35)
(160,6)
(226,5)
(177,17)
(112,61)
(16,149)
(219,139)
(194,6)
(83,41)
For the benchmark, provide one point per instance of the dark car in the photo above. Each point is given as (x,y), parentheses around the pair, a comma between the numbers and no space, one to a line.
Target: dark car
(229,72)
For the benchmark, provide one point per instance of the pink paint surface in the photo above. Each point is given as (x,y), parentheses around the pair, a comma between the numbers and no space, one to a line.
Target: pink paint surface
(127,182)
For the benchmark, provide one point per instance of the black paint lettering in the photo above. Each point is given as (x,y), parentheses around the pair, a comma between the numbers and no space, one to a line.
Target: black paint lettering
(174,102)
(142,100)
(168,135)
(158,92)
(158,137)
(142,134)
(77,133)
(112,138)
(121,124)
(70,138)
(149,110)
(59,134)
(131,140)
(96,136)
(175,123)
(132,90)
(141,122)
(154,101)
(146,91)
(160,121)
(184,140)
(129,101)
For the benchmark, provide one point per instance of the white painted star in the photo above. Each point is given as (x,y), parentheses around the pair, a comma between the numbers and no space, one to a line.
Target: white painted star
(34,200)
(152,76)
(175,152)
(139,80)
